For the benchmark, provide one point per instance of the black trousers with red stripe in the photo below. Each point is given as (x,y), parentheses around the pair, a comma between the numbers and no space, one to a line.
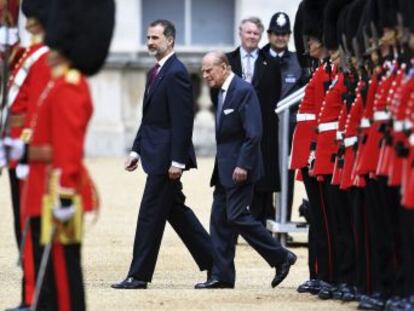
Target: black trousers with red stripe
(360,219)
(382,213)
(407,251)
(62,288)
(342,231)
(15,195)
(320,235)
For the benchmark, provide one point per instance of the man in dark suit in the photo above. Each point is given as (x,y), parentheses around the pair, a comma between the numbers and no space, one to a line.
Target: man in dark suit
(238,165)
(163,143)
(256,67)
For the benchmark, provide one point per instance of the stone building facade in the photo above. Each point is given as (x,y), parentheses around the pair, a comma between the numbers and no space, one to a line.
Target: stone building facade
(201,26)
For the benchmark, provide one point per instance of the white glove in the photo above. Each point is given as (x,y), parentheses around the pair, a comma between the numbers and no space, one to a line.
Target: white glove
(63,214)
(3,159)
(311,158)
(22,170)
(16,146)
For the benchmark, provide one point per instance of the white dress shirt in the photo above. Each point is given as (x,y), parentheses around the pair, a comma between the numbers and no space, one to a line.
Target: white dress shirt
(244,55)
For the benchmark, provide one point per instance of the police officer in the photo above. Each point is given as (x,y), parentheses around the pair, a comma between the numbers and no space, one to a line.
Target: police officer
(292,76)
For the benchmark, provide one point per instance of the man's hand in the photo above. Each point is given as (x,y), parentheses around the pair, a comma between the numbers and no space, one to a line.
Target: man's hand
(64,210)
(239,175)
(131,163)
(175,172)
(63,213)
(16,148)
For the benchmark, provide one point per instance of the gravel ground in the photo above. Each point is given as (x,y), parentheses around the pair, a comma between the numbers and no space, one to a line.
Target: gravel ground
(108,247)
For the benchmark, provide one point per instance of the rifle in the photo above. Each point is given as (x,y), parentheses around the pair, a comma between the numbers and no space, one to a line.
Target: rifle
(357,53)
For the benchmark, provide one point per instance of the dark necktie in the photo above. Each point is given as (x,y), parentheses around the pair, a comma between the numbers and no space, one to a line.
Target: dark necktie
(153,74)
(220,103)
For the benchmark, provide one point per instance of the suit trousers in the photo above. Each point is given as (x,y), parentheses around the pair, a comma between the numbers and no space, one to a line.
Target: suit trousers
(229,217)
(262,207)
(162,201)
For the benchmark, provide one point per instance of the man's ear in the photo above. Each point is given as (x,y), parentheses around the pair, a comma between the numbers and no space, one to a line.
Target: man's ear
(170,41)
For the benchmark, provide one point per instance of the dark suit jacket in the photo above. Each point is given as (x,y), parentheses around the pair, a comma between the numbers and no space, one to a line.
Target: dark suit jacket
(165,134)
(267,84)
(238,135)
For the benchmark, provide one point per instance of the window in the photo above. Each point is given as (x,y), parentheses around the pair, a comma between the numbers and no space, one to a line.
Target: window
(198,22)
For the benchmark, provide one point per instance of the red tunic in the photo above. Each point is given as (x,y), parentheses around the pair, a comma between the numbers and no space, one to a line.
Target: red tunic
(326,146)
(370,156)
(387,148)
(60,121)
(359,167)
(351,138)
(304,133)
(398,110)
(338,166)
(36,77)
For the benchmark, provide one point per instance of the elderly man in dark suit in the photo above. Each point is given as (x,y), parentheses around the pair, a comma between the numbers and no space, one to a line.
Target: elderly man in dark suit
(256,67)
(163,143)
(238,165)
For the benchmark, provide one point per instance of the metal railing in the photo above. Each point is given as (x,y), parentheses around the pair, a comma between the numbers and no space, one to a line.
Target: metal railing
(280,226)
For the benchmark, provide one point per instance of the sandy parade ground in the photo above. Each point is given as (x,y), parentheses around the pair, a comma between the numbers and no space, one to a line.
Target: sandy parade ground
(108,246)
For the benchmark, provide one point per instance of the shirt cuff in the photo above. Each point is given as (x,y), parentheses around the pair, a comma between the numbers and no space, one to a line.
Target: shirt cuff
(178,165)
(134,154)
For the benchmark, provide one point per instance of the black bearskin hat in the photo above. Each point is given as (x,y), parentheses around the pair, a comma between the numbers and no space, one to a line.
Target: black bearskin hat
(387,14)
(298,37)
(81,30)
(313,18)
(38,9)
(352,21)
(331,15)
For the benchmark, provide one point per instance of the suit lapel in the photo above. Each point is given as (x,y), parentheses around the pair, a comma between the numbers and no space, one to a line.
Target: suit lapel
(149,91)
(236,65)
(259,68)
(227,100)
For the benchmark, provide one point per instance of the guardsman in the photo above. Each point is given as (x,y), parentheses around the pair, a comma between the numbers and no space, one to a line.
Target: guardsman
(58,190)
(28,79)
(303,140)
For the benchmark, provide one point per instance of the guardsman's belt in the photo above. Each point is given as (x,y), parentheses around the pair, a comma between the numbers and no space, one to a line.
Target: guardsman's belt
(40,153)
(17,120)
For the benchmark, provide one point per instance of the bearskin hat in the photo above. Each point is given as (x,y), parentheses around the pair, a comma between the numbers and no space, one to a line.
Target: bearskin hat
(387,14)
(38,9)
(81,30)
(331,15)
(313,18)
(352,21)
(298,37)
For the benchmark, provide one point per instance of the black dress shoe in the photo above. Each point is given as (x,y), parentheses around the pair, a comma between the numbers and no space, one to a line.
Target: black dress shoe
(130,283)
(213,284)
(282,270)
(306,287)
(374,302)
(327,291)
(349,293)
(316,287)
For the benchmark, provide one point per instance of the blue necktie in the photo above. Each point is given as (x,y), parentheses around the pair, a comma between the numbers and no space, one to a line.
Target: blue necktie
(220,103)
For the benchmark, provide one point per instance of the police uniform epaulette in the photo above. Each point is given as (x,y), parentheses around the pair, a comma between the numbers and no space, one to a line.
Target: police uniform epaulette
(73,76)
